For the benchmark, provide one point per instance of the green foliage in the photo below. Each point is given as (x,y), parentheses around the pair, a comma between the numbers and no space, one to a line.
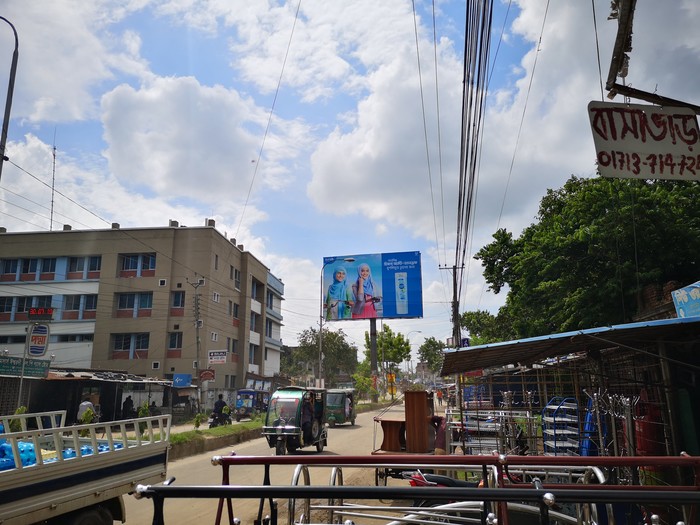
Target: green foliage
(362,379)
(483,327)
(15,424)
(431,352)
(338,355)
(392,349)
(87,417)
(198,419)
(596,244)
(143,411)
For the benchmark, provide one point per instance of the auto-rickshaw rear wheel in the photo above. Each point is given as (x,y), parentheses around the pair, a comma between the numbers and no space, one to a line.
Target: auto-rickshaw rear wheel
(280,447)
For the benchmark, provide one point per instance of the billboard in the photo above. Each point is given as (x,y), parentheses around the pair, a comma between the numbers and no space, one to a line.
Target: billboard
(382,285)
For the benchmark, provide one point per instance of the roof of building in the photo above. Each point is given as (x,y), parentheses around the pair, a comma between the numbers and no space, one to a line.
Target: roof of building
(534,350)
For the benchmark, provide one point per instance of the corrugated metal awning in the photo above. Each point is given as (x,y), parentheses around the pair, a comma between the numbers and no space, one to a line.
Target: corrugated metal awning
(94,375)
(538,349)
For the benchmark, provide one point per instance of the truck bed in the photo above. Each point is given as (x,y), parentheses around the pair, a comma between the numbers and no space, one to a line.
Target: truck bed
(49,469)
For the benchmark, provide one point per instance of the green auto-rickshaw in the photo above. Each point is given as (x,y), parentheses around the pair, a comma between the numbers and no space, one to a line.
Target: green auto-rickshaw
(340,406)
(296,418)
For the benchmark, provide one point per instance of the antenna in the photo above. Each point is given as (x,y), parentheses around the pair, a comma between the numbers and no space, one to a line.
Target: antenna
(53,179)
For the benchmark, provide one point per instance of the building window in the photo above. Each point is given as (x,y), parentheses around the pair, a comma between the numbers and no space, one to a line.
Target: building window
(44,301)
(5,304)
(234,346)
(23,304)
(230,272)
(265,353)
(254,289)
(130,343)
(228,343)
(126,301)
(236,308)
(141,341)
(146,301)
(229,381)
(251,353)
(216,297)
(149,261)
(178,299)
(130,262)
(30,265)
(9,266)
(270,300)
(237,279)
(253,321)
(71,302)
(175,341)
(122,342)
(91,302)
(216,261)
(214,336)
(230,308)
(95,263)
(76,264)
(48,265)
(268,328)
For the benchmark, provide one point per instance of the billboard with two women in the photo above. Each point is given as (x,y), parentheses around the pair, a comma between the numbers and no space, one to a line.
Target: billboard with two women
(382,285)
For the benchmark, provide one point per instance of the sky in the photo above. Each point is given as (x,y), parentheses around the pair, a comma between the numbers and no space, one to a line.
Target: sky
(314,128)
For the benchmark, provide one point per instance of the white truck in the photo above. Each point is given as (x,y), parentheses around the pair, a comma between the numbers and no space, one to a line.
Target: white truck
(55,473)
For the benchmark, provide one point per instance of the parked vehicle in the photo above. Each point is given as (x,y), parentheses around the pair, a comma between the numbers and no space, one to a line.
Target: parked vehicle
(341,406)
(296,418)
(76,475)
(250,402)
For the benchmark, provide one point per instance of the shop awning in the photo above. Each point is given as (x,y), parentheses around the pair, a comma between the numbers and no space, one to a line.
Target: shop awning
(537,350)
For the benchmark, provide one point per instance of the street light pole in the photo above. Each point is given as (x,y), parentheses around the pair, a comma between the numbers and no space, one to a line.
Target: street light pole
(408,338)
(8,100)
(326,262)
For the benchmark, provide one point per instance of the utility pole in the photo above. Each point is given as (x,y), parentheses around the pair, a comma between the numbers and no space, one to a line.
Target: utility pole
(197,325)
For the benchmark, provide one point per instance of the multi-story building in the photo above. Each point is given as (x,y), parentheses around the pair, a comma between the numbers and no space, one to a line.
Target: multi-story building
(148,301)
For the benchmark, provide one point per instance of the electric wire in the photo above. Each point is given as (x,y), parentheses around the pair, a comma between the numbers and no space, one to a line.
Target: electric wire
(269,119)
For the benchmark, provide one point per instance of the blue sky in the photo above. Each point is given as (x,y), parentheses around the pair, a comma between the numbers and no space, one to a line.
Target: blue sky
(163,110)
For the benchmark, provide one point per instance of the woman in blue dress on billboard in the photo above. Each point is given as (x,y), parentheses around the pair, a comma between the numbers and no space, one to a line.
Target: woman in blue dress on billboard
(363,289)
(339,299)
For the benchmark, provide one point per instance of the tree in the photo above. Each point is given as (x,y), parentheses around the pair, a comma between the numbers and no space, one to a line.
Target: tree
(484,327)
(338,355)
(596,244)
(362,379)
(392,349)
(430,352)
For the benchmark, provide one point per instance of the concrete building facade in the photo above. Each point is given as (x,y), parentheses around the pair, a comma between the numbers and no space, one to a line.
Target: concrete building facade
(154,302)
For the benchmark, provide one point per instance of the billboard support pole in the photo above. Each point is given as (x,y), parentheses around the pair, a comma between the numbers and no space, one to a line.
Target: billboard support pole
(373,352)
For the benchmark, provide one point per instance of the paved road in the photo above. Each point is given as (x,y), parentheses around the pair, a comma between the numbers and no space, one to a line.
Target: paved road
(198,470)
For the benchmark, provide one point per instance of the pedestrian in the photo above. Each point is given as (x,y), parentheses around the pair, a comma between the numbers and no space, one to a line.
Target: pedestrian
(439,396)
(83,408)
(128,408)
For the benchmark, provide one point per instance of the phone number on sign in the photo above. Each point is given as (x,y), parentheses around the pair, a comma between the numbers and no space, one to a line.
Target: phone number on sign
(656,163)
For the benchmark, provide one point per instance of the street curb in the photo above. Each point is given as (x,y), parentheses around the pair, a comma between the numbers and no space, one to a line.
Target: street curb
(207,444)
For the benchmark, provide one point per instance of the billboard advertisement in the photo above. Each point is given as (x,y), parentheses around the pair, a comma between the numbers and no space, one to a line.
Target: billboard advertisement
(382,285)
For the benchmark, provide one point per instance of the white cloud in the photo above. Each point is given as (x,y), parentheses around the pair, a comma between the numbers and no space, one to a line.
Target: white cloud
(147,135)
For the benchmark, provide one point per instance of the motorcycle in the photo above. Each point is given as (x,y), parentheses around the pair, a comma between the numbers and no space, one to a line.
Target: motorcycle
(218,419)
